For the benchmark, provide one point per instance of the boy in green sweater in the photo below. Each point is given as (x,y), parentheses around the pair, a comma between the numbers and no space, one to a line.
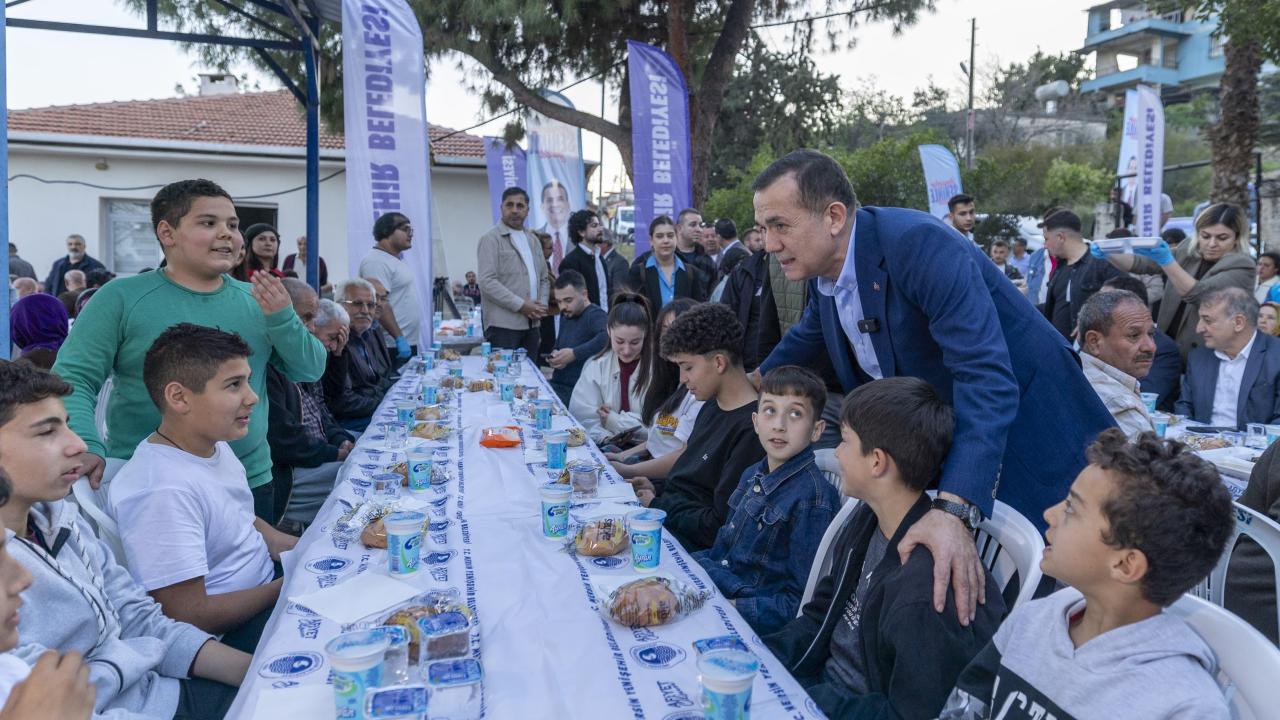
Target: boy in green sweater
(196,224)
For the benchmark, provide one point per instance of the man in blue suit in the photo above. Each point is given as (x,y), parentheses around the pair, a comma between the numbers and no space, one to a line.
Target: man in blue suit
(897,292)
(1234,379)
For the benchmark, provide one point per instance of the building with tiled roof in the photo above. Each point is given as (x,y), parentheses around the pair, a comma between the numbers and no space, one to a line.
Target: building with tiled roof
(92,170)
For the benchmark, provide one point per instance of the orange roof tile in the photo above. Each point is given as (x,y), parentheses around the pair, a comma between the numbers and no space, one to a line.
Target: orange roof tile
(258,118)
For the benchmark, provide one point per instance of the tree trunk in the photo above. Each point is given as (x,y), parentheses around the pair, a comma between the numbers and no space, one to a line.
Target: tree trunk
(678,37)
(1234,136)
(705,101)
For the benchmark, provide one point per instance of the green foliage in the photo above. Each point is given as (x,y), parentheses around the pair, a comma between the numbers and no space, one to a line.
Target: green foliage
(733,199)
(1071,184)
(1013,86)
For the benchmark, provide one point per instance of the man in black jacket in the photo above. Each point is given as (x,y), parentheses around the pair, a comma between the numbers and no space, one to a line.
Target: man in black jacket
(748,294)
(360,372)
(732,251)
(585,231)
(870,643)
(307,444)
(75,259)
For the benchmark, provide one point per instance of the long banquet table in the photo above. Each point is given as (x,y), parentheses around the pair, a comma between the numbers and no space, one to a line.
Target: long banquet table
(546,649)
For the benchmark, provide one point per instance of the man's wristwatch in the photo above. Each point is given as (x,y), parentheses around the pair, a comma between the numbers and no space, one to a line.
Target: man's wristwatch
(968,514)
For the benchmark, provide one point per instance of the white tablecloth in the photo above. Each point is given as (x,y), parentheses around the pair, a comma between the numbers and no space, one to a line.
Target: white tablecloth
(546,650)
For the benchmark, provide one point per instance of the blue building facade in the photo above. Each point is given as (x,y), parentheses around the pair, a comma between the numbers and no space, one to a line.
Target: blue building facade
(1172,51)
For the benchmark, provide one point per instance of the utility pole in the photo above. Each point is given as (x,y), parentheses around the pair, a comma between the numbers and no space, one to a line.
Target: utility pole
(600,170)
(969,119)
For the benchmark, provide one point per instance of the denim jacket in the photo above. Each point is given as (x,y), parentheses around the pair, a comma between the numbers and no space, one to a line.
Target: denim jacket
(762,555)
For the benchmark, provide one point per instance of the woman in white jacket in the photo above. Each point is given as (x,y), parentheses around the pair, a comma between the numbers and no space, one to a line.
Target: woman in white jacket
(610,392)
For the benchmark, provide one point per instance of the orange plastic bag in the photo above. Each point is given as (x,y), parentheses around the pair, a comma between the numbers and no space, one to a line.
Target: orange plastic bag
(500,437)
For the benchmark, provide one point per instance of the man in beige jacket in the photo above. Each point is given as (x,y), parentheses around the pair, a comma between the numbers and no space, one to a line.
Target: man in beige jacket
(515,282)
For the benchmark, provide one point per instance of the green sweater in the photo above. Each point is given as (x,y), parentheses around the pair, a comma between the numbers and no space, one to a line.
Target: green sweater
(111,337)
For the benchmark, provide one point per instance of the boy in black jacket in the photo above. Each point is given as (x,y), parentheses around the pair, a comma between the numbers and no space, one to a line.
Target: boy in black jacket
(870,644)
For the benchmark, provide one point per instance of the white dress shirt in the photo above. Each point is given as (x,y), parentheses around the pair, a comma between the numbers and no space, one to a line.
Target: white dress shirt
(602,280)
(1226,395)
(520,239)
(849,308)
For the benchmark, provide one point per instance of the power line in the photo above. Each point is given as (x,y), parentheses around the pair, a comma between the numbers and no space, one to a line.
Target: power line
(158,186)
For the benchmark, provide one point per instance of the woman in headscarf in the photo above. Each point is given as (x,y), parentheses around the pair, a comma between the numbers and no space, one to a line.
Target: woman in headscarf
(38,326)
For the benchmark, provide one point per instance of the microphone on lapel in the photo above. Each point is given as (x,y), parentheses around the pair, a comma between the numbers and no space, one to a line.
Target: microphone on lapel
(869,325)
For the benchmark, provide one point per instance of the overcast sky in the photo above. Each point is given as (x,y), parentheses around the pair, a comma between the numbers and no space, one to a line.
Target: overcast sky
(54,68)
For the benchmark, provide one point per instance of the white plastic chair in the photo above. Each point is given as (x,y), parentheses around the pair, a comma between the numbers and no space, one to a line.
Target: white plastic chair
(1258,528)
(828,466)
(94,504)
(1248,664)
(823,558)
(1008,542)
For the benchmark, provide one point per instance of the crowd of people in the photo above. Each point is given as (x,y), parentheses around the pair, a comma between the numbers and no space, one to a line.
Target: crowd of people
(212,401)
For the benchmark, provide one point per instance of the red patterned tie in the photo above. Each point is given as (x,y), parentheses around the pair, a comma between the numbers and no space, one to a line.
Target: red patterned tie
(557,252)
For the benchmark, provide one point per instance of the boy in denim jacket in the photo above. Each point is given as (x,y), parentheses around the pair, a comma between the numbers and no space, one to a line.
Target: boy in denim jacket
(781,508)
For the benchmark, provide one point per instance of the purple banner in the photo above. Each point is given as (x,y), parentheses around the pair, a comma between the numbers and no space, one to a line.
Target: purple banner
(506,169)
(660,149)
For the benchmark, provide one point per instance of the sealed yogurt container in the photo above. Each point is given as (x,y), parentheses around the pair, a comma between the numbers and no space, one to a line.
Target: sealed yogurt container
(404,541)
(726,677)
(356,661)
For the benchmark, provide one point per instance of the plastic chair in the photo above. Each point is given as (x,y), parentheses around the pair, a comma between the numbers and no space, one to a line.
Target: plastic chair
(1248,664)
(823,559)
(1008,543)
(828,466)
(1258,528)
(94,504)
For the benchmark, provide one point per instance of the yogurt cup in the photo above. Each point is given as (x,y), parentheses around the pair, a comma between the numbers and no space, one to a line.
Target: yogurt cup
(429,359)
(404,410)
(430,393)
(404,541)
(645,529)
(506,391)
(557,449)
(486,347)
(356,661)
(726,677)
(555,510)
(419,463)
(1161,423)
(542,414)
(1149,399)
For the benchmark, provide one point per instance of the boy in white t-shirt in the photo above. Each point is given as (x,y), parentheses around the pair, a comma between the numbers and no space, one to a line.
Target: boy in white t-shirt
(182,501)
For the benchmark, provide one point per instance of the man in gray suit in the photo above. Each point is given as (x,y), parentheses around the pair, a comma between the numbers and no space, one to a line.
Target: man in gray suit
(1235,378)
(514,279)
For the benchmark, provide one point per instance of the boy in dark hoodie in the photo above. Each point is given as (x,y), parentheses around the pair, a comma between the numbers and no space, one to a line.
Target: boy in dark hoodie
(870,643)
(1142,524)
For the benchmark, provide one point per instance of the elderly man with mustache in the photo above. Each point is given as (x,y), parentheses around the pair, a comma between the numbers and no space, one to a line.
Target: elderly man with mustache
(1117,340)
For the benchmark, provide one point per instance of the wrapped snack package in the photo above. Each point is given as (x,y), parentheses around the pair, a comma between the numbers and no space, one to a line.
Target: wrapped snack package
(352,523)
(430,431)
(450,354)
(484,385)
(451,382)
(577,437)
(429,604)
(651,601)
(500,437)
(374,535)
(602,537)
(430,412)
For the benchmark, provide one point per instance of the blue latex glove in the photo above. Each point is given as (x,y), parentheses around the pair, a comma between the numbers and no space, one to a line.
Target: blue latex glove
(1096,251)
(1161,253)
(402,348)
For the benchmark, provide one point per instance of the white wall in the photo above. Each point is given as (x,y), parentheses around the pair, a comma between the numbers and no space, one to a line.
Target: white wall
(41,216)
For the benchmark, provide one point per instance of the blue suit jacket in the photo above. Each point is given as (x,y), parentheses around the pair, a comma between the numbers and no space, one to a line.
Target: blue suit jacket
(948,315)
(1259,399)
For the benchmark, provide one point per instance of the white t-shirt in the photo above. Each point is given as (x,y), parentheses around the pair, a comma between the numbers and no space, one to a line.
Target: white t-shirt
(669,432)
(12,671)
(396,276)
(183,516)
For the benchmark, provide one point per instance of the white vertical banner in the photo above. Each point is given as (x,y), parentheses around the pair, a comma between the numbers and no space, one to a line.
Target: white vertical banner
(1150,154)
(941,177)
(1127,164)
(388,160)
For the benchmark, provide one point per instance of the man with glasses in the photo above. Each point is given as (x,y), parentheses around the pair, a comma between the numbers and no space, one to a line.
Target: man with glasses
(393,234)
(585,233)
(514,278)
(359,374)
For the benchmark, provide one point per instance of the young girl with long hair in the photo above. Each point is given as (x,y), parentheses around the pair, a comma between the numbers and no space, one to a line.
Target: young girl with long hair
(610,392)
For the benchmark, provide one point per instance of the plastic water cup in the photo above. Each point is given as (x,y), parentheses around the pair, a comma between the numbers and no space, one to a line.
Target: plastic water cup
(584,478)
(1257,435)
(726,677)
(386,483)
(513,370)
(499,369)
(429,359)
(645,529)
(486,347)
(419,463)
(557,449)
(439,461)
(521,355)
(395,663)
(356,661)
(404,410)
(1236,439)
(1161,422)
(506,391)
(397,434)
(1149,399)
(555,510)
(404,541)
(542,415)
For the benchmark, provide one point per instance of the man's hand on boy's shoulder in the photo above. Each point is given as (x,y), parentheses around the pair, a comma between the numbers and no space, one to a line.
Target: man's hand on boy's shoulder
(955,562)
(91,467)
(58,688)
(269,291)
